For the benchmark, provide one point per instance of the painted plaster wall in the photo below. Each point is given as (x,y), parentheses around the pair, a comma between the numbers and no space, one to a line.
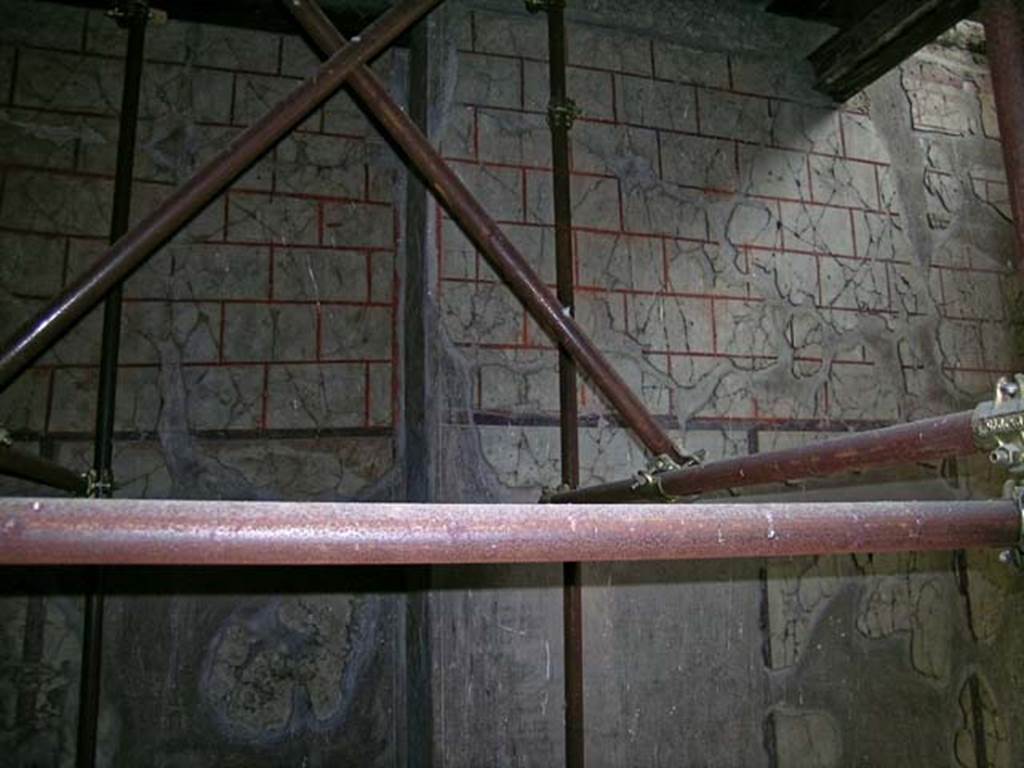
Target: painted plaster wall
(766,269)
(754,260)
(275,309)
(258,361)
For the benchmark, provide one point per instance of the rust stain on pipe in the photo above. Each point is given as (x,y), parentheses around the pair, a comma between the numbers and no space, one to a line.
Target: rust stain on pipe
(137,532)
(925,440)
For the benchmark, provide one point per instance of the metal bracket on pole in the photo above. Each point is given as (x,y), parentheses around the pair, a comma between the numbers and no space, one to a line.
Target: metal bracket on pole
(1015,555)
(648,480)
(548,491)
(99,485)
(563,114)
(536,6)
(125,11)
(998,427)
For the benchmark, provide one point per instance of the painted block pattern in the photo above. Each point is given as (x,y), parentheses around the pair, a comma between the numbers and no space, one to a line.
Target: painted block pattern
(746,254)
(273,313)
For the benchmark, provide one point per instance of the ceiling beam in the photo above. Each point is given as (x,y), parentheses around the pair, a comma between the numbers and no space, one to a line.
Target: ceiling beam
(267,15)
(858,55)
(838,13)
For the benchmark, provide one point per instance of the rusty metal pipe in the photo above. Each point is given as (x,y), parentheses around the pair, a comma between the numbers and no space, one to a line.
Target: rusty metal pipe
(1004,47)
(153,532)
(916,441)
(36,469)
(487,236)
(560,116)
(142,240)
(559,120)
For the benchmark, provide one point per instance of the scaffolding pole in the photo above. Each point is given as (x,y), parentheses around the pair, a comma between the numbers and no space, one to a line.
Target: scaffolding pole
(562,112)
(132,250)
(205,533)
(514,269)
(36,469)
(916,441)
(1004,47)
(132,15)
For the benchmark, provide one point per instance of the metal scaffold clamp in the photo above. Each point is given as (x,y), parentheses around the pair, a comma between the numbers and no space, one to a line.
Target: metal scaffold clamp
(563,114)
(648,480)
(124,12)
(548,491)
(998,427)
(1015,555)
(536,6)
(99,485)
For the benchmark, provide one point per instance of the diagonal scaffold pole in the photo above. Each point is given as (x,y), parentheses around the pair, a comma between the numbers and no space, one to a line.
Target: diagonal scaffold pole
(513,268)
(142,240)
(996,426)
(37,469)
(916,441)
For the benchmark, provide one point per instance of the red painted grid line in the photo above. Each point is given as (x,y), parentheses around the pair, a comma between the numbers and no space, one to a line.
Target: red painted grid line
(111,118)
(731,89)
(699,133)
(533,169)
(151,58)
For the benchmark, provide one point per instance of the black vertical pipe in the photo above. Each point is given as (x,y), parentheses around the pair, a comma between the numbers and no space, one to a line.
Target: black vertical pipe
(418,417)
(560,115)
(133,15)
(572,642)
(559,118)
(119,220)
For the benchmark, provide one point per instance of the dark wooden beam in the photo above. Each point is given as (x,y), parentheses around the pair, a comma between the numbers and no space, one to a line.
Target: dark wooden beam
(349,16)
(838,13)
(860,54)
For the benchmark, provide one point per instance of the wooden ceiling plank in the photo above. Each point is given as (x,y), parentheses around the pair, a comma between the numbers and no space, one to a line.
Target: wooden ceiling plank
(857,56)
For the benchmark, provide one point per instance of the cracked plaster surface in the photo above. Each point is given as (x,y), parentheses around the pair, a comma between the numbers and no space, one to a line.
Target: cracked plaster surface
(193,402)
(799,591)
(806,739)
(177,395)
(907,595)
(818,282)
(830,302)
(38,696)
(978,706)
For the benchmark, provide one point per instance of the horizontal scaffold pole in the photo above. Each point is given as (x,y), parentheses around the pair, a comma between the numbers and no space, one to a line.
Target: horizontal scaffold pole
(150,532)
